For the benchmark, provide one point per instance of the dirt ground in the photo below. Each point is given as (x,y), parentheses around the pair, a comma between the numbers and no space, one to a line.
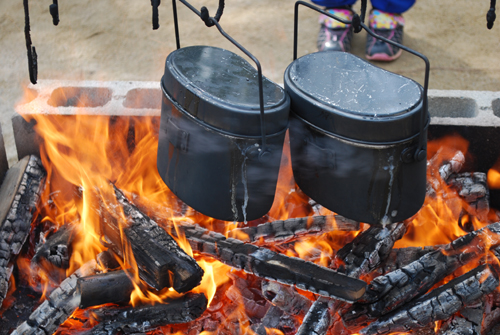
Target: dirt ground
(114,40)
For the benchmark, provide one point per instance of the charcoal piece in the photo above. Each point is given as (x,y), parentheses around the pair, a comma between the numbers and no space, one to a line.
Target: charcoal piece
(56,248)
(61,303)
(103,288)
(161,261)
(291,229)
(361,256)
(452,166)
(402,257)
(20,192)
(458,326)
(473,188)
(439,304)
(286,298)
(318,318)
(388,292)
(278,319)
(368,249)
(107,260)
(147,317)
(273,266)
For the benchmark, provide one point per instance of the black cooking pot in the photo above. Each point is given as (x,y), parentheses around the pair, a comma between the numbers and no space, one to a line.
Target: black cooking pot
(357,136)
(210,150)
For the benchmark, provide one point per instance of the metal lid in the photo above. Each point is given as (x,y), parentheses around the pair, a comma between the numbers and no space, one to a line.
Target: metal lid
(221,88)
(349,97)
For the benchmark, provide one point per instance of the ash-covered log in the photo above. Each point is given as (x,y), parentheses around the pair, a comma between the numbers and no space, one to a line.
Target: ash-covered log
(473,188)
(452,166)
(402,257)
(361,256)
(458,326)
(369,248)
(57,248)
(388,292)
(145,318)
(273,266)
(439,304)
(283,231)
(286,298)
(61,303)
(161,261)
(19,194)
(103,288)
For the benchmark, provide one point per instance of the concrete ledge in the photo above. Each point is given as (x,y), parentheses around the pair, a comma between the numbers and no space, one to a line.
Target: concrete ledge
(465,108)
(475,115)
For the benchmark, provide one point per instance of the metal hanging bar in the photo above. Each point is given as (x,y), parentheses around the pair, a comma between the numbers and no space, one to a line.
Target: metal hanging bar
(54,11)
(32,56)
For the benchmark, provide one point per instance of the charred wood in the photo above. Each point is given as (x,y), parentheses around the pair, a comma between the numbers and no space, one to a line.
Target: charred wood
(19,196)
(473,188)
(145,318)
(107,260)
(278,319)
(369,249)
(458,326)
(452,166)
(61,303)
(273,266)
(283,231)
(103,288)
(56,249)
(161,261)
(439,304)
(399,258)
(491,313)
(361,256)
(388,292)
(286,298)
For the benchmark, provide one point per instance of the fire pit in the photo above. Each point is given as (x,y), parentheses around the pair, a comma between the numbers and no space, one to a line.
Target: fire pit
(91,186)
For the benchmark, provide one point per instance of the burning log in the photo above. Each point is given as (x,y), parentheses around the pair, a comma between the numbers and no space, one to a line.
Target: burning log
(103,288)
(273,266)
(402,257)
(452,166)
(285,298)
(61,303)
(473,188)
(459,326)
(361,256)
(278,319)
(291,229)
(439,304)
(19,193)
(161,262)
(56,248)
(388,292)
(370,248)
(145,318)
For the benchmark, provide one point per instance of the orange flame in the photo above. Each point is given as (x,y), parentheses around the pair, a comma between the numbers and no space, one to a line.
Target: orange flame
(83,153)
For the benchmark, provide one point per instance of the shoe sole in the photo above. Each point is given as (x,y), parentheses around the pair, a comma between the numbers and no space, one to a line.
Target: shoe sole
(384,57)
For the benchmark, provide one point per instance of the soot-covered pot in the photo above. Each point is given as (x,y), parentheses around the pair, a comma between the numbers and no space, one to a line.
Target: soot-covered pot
(209,149)
(354,130)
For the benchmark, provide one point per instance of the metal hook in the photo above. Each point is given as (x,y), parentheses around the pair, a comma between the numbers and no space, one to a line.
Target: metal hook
(54,11)
(156,22)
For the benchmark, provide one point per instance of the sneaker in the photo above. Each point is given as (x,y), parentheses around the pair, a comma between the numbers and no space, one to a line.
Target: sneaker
(387,25)
(334,35)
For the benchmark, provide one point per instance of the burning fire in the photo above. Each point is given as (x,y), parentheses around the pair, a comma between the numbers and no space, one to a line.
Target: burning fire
(83,153)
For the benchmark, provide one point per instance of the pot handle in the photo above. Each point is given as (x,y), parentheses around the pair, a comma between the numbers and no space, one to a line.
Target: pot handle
(214,21)
(358,25)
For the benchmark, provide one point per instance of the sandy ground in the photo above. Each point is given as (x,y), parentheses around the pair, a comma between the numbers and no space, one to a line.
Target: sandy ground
(114,40)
